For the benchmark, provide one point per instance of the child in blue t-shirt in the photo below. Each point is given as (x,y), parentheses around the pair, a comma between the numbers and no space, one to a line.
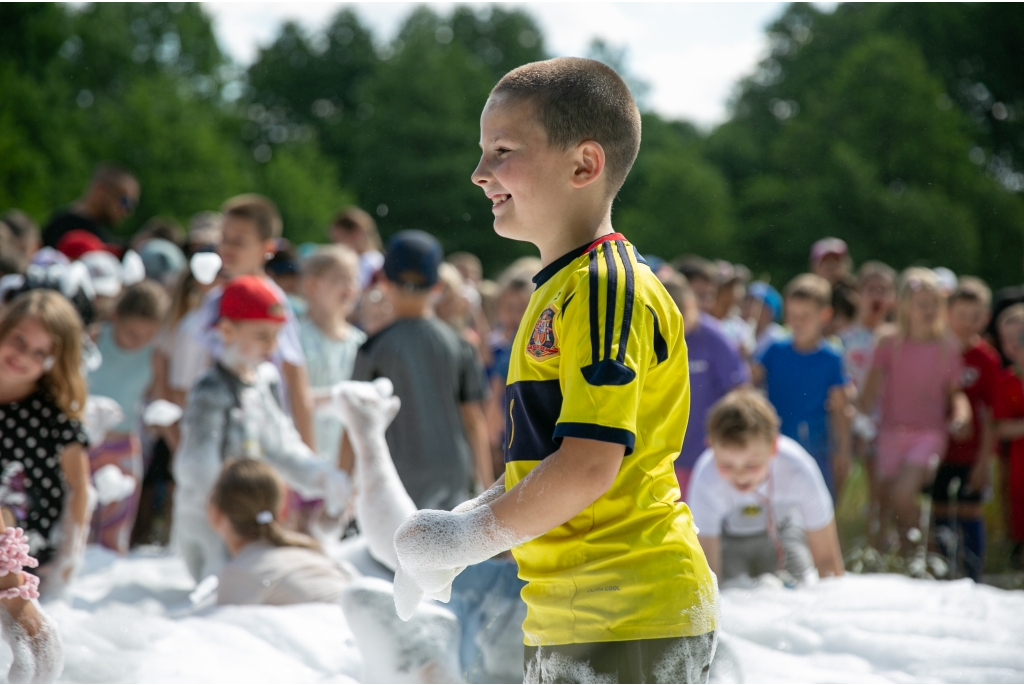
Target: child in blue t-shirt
(804,378)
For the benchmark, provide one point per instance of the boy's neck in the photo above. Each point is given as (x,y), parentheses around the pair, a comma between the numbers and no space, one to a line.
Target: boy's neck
(573,236)
(253,271)
(244,372)
(412,308)
(331,322)
(807,344)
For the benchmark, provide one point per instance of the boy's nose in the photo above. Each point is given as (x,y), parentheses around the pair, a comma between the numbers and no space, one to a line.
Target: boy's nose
(480,175)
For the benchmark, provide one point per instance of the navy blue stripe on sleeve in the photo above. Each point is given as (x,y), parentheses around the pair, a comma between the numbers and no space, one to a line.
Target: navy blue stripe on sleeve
(613,286)
(595,316)
(593,431)
(627,310)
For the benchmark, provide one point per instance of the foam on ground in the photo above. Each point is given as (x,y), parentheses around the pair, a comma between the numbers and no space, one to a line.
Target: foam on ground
(129,620)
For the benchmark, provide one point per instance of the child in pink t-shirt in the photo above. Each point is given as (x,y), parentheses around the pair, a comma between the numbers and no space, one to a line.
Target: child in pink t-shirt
(915,377)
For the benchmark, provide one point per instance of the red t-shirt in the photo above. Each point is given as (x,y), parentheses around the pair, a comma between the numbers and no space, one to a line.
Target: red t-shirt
(1009,404)
(981,379)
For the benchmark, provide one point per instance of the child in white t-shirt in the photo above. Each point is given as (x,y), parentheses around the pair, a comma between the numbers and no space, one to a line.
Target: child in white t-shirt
(759,500)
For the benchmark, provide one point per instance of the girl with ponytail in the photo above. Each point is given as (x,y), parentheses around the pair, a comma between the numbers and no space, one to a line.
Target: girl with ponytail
(269,564)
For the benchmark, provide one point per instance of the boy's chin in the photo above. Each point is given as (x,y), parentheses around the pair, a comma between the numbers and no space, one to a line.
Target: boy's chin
(511,230)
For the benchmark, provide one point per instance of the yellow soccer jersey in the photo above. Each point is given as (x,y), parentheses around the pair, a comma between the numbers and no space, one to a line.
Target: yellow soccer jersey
(600,354)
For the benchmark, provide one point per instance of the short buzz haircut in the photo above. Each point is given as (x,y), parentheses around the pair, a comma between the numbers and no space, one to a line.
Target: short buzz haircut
(144,300)
(578,99)
(261,211)
(971,289)
(739,417)
(810,287)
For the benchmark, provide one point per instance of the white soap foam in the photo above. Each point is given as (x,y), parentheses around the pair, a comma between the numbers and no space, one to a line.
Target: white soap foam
(129,620)
(161,413)
(112,484)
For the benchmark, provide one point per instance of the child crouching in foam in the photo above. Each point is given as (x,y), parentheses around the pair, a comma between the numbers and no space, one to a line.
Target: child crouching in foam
(759,500)
(233,412)
(269,565)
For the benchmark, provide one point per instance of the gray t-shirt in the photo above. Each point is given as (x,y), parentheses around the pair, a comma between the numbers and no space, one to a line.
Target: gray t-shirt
(264,574)
(434,371)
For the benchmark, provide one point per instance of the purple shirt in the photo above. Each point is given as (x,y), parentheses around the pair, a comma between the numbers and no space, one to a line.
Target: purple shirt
(715,369)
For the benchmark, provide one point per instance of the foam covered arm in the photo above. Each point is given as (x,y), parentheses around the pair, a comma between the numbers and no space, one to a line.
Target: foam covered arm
(302,469)
(382,502)
(488,496)
(433,547)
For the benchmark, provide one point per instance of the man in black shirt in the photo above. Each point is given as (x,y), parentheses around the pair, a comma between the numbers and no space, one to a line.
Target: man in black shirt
(112,196)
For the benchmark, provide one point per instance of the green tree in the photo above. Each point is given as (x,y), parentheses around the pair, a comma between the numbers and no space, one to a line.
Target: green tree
(674,202)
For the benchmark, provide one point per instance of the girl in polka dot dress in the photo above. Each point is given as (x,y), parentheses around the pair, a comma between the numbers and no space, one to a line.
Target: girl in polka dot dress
(44,469)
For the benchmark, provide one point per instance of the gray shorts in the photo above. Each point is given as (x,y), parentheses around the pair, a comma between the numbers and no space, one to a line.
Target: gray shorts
(749,556)
(667,660)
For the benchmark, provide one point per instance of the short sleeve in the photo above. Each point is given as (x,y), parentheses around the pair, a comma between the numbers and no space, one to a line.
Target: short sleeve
(732,372)
(704,499)
(67,431)
(815,501)
(989,380)
(837,374)
(605,349)
(472,377)
(288,344)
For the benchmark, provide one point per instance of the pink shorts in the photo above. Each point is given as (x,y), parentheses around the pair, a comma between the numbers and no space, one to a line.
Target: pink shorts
(898,447)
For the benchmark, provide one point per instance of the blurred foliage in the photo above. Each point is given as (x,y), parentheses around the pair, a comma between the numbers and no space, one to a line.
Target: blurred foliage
(865,123)
(141,85)
(898,127)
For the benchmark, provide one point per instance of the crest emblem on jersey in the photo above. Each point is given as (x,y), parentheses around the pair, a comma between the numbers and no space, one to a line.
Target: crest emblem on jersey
(542,342)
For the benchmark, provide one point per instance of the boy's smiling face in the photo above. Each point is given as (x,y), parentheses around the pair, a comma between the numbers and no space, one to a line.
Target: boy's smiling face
(528,180)
(746,466)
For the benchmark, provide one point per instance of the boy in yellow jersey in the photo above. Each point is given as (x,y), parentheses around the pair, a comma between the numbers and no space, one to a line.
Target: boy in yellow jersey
(618,588)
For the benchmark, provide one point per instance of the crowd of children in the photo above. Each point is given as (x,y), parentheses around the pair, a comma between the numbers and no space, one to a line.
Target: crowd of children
(195,388)
(907,374)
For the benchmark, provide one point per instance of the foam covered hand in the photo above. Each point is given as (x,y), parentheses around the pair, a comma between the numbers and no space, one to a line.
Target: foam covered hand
(381,500)
(433,547)
(367,409)
(101,414)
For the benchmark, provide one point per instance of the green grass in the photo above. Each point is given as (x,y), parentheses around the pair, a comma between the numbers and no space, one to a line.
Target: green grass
(852,522)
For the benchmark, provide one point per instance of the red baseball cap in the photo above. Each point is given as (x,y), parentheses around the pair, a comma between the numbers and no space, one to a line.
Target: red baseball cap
(249,298)
(77,242)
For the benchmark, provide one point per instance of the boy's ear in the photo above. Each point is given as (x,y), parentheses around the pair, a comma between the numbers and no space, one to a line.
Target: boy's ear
(589,161)
(826,314)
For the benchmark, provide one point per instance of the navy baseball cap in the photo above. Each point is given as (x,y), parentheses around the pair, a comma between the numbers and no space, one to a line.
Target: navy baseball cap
(412,260)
